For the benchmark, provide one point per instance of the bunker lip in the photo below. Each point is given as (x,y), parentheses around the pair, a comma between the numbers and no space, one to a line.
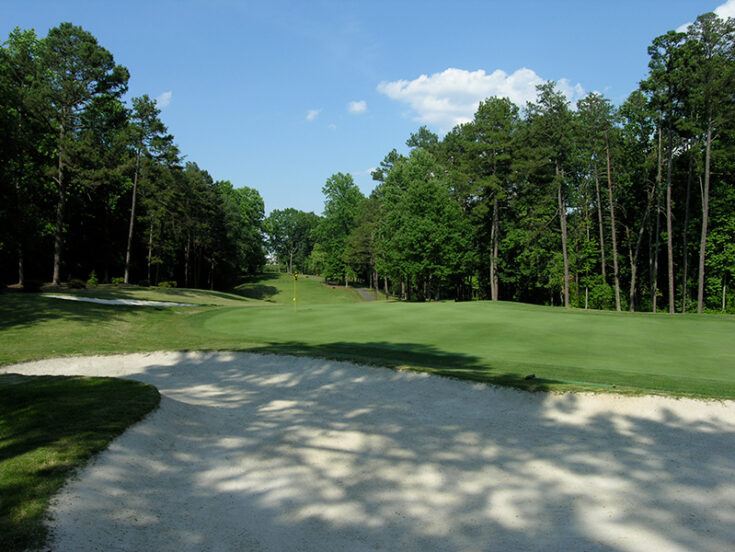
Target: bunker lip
(268,452)
(129,302)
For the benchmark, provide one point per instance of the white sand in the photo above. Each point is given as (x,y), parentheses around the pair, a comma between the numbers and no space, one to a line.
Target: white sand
(130,302)
(276,453)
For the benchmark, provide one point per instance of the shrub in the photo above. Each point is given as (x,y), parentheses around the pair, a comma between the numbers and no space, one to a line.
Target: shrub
(118,281)
(144,283)
(76,283)
(169,284)
(92,281)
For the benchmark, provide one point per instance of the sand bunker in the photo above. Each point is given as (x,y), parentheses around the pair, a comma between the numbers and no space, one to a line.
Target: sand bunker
(133,302)
(253,452)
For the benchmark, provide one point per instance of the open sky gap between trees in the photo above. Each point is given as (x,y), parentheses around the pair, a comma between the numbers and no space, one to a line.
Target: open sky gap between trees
(625,207)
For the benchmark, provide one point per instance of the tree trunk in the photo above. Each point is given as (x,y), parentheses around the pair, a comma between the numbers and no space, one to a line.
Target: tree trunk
(211,275)
(385,286)
(20,218)
(494,254)
(659,179)
(634,256)
(376,283)
(563,223)
(132,218)
(657,244)
(669,219)
(705,215)
(187,254)
(724,293)
(601,225)
(150,251)
(685,238)
(616,271)
(58,236)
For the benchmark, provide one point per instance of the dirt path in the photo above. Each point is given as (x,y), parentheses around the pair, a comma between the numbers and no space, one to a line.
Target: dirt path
(277,453)
(366,293)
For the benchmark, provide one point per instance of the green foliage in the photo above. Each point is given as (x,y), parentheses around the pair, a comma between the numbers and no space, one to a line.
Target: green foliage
(291,236)
(167,284)
(92,281)
(80,172)
(341,204)
(76,283)
(422,230)
(117,281)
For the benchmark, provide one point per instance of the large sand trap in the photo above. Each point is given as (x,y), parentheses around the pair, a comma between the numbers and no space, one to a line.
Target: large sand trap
(276,453)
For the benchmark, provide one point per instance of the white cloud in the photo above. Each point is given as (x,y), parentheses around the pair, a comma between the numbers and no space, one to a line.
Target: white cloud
(332,126)
(722,11)
(164,99)
(357,107)
(312,114)
(449,98)
(573,92)
(366,172)
(726,10)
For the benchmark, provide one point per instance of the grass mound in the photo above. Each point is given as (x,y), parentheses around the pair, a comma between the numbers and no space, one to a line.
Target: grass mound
(49,427)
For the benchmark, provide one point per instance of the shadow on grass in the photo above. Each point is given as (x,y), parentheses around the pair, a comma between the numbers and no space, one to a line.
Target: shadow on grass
(320,455)
(29,309)
(256,291)
(410,356)
(255,288)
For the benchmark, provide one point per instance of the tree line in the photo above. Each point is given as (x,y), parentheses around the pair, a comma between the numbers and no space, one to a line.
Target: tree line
(592,206)
(94,188)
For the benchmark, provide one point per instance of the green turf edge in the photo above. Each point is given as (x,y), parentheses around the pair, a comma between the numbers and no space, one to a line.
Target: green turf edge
(516,379)
(716,392)
(50,427)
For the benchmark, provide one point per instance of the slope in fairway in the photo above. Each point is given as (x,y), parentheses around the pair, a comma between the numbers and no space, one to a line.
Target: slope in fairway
(683,354)
(280,289)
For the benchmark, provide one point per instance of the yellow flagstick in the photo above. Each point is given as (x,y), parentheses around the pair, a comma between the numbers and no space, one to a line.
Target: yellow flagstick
(295,277)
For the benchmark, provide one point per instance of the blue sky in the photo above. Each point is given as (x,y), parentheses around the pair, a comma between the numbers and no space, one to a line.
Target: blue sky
(278,96)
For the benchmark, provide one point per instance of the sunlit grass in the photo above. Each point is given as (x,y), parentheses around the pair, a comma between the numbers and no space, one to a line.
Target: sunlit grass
(282,288)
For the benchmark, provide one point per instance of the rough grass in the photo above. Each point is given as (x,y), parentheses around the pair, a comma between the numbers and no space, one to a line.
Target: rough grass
(49,427)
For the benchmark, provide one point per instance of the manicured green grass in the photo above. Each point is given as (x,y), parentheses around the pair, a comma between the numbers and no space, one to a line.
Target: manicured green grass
(505,342)
(50,426)
(279,289)
(494,342)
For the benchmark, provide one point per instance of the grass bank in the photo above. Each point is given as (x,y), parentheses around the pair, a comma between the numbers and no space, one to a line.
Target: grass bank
(49,427)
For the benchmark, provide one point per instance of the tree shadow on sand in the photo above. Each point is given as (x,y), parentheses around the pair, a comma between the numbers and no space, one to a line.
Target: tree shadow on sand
(278,453)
